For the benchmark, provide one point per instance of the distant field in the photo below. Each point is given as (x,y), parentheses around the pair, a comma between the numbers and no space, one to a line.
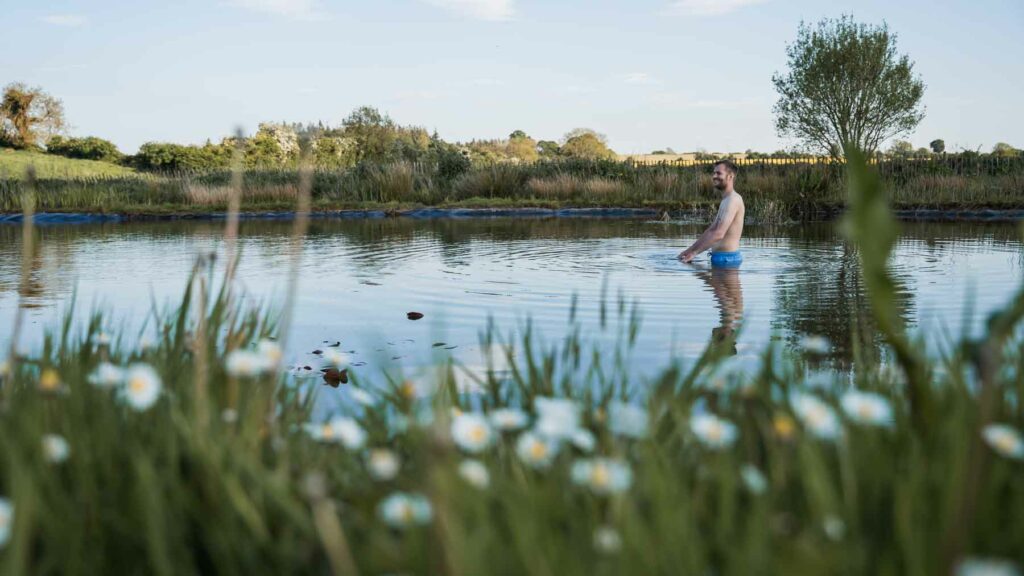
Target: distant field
(13,164)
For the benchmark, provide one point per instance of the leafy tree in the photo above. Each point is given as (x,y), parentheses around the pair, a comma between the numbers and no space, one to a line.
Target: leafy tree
(334,151)
(938,146)
(522,146)
(89,148)
(167,157)
(586,143)
(901,148)
(548,149)
(846,85)
(1005,150)
(29,116)
(923,152)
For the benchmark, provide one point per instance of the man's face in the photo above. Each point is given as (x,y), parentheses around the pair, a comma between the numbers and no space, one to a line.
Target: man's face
(720,177)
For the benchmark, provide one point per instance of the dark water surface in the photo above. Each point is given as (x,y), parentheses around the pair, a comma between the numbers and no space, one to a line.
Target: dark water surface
(359,279)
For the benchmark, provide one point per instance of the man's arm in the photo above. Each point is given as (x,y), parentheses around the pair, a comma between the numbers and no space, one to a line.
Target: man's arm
(715,232)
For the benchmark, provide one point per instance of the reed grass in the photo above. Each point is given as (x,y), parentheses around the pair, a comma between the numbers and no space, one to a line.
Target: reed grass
(773,193)
(232,470)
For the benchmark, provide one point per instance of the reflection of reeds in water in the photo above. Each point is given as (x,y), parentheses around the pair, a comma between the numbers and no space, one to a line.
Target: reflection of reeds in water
(562,463)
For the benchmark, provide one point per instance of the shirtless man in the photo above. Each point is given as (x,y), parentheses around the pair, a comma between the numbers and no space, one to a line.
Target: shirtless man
(723,236)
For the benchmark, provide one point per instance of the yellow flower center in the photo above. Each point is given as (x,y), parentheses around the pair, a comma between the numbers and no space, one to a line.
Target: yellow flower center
(865,412)
(49,380)
(137,385)
(477,434)
(599,475)
(408,389)
(406,513)
(326,431)
(715,432)
(538,450)
(784,426)
(1005,443)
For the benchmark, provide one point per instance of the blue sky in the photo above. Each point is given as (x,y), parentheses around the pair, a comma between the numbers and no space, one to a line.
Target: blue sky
(649,74)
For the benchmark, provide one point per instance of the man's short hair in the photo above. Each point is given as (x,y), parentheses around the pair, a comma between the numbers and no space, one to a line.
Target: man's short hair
(729,165)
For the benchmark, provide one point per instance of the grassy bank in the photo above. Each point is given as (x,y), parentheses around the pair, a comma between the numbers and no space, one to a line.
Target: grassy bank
(14,163)
(773,192)
(191,453)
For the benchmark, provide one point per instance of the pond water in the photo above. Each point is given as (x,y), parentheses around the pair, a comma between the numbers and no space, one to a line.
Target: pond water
(360,278)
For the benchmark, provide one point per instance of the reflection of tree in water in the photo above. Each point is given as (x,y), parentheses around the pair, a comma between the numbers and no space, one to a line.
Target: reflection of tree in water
(825,295)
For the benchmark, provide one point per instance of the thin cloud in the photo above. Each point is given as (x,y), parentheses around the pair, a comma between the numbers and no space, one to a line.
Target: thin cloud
(295,9)
(639,78)
(710,7)
(66,20)
(493,10)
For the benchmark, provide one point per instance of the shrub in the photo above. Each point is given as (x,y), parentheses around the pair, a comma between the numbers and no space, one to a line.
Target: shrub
(88,148)
(167,157)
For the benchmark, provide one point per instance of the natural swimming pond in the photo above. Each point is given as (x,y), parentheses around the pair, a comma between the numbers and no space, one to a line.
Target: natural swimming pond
(360,278)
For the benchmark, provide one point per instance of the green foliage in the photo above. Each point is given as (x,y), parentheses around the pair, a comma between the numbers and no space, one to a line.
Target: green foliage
(167,157)
(29,116)
(846,85)
(901,148)
(548,149)
(937,146)
(235,474)
(1004,150)
(88,148)
(379,139)
(586,144)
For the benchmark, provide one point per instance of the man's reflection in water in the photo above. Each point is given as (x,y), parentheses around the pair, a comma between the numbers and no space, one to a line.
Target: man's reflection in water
(728,293)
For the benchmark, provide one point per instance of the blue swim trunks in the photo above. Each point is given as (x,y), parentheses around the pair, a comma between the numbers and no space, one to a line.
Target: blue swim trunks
(726,259)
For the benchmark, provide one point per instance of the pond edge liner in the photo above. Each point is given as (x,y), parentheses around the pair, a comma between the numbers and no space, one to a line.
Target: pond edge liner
(57,218)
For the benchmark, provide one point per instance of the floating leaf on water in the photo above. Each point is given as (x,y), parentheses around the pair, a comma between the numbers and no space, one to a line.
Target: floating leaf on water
(334,377)
(414,315)
(307,367)
(450,347)
(318,352)
(438,344)
(335,345)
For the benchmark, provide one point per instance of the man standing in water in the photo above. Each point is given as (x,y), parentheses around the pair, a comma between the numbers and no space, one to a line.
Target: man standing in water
(723,236)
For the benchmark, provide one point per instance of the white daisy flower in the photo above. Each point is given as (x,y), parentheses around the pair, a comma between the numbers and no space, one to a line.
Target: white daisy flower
(1004,440)
(244,364)
(106,375)
(867,408)
(383,464)
(362,396)
(6,520)
(816,416)
(607,540)
(557,418)
(475,473)
(402,510)
(508,419)
(815,344)
(142,386)
(753,479)
(536,451)
(55,448)
(271,353)
(340,430)
(986,567)
(834,527)
(627,420)
(337,359)
(583,439)
(713,432)
(603,475)
(472,432)
(102,339)
(5,367)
